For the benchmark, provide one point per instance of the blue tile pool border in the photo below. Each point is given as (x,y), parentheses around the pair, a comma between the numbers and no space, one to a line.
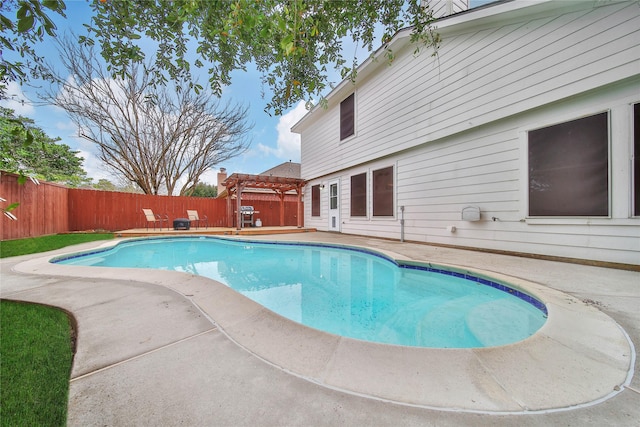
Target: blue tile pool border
(433,268)
(481,280)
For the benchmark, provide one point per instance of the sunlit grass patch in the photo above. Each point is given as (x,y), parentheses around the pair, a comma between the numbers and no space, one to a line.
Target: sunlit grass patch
(34,245)
(36,352)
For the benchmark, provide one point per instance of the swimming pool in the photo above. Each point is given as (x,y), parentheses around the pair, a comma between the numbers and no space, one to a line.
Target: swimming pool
(345,291)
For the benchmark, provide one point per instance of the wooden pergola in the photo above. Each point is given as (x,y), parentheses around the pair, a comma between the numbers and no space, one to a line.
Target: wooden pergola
(237,183)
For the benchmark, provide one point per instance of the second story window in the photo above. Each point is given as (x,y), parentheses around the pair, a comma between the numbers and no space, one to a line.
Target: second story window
(569,168)
(347,117)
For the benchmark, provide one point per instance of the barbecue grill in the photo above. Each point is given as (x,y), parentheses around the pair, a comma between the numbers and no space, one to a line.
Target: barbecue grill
(246,213)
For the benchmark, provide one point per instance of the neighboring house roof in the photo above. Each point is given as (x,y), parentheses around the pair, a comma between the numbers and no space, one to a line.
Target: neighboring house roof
(286,170)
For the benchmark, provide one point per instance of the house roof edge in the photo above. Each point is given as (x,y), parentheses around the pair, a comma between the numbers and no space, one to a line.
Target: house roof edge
(487,11)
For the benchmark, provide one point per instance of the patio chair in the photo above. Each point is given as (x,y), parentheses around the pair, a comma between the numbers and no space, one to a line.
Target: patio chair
(155,219)
(194,218)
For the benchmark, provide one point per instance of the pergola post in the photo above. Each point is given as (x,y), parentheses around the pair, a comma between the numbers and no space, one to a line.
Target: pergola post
(229,209)
(281,196)
(299,210)
(239,189)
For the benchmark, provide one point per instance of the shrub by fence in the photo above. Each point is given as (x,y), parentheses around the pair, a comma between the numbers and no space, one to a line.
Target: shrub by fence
(50,208)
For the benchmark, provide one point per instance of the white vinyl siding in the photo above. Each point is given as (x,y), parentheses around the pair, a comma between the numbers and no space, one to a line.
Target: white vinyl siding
(487,168)
(479,76)
(440,8)
(455,128)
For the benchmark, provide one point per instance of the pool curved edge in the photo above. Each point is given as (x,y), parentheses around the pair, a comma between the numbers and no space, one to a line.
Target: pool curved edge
(579,357)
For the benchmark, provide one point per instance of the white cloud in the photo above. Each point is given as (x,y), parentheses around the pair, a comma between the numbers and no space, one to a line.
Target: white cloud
(209,177)
(67,126)
(96,169)
(288,143)
(17,101)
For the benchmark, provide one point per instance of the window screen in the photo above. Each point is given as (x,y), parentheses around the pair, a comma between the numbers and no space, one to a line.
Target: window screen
(359,195)
(347,117)
(569,168)
(315,200)
(636,160)
(383,192)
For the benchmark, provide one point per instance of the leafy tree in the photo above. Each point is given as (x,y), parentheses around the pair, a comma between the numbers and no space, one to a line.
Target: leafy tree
(158,137)
(19,35)
(105,185)
(291,42)
(203,190)
(30,25)
(26,149)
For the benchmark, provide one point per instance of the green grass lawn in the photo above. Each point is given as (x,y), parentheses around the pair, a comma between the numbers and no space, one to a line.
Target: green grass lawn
(34,245)
(37,352)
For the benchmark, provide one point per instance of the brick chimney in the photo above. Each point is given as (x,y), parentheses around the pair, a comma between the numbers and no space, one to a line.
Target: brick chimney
(222,175)
(442,8)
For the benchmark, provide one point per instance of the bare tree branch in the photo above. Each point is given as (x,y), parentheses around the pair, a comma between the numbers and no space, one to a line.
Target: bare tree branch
(158,138)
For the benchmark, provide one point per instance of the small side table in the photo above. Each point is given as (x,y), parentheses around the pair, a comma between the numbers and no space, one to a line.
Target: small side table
(181,224)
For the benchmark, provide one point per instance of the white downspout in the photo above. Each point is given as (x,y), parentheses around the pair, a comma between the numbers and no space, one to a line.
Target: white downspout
(402,223)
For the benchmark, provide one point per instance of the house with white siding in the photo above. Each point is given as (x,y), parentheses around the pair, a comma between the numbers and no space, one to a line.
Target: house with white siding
(520,135)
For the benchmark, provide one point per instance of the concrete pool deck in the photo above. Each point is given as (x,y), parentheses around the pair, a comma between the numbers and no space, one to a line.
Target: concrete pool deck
(169,348)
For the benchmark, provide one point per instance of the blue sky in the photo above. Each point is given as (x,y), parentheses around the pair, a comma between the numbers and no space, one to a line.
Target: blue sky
(272,141)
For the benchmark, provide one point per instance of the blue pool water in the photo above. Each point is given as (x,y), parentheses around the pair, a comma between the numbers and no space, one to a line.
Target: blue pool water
(345,291)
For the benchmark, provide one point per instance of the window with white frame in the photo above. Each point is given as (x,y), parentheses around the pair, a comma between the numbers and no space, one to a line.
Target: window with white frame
(347,117)
(569,168)
(333,196)
(383,192)
(359,195)
(315,200)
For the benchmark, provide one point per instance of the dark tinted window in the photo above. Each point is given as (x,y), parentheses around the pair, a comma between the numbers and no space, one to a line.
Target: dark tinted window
(315,200)
(383,192)
(359,195)
(347,117)
(569,168)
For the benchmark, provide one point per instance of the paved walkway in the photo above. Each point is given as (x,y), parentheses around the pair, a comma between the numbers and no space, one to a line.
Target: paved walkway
(150,355)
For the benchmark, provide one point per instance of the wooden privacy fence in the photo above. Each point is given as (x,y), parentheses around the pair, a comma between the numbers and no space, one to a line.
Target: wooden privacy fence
(50,208)
(110,210)
(42,210)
